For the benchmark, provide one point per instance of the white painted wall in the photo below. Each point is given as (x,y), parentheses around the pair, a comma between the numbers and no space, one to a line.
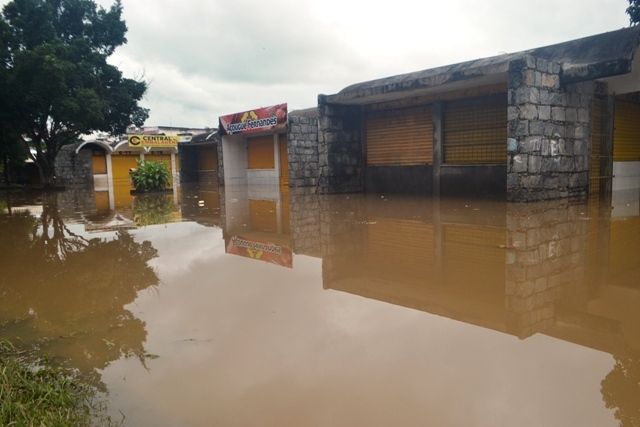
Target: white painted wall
(626,175)
(234,155)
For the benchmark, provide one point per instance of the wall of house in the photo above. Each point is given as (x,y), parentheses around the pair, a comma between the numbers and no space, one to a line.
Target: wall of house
(548,133)
(74,170)
(549,249)
(302,142)
(305,220)
(627,175)
(188,163)
(485,180)
(339,148)
(234,153)
(399,179)
(220,165)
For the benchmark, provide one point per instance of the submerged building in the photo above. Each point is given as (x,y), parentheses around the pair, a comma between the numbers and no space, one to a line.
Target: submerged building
(554,122)
(547,123)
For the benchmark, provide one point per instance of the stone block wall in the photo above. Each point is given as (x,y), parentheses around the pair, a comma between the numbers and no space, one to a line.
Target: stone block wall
(74,171)
(305,221)
(548,132)
(341,160)
(546,261)
(341,234)
(220,165)
(188,159)
(302,142)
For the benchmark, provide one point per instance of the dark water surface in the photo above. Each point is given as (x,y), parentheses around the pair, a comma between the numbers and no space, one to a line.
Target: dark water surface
(252,308)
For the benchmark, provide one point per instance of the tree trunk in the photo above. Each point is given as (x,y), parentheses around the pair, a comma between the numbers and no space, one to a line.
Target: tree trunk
(47,170)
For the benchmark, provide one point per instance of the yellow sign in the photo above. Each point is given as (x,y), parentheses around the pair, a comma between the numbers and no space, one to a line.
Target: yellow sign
(153,141)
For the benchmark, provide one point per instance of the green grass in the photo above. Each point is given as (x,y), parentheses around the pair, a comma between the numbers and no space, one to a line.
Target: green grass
(39,395)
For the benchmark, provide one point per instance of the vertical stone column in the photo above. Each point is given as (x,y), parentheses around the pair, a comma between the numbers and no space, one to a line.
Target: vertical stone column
(188,159)
(339,148)
(305,221)
(548,132)
(546,261)
(220,164)
(302,142)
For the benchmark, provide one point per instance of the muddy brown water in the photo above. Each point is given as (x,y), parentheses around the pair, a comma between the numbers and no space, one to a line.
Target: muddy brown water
(243,308)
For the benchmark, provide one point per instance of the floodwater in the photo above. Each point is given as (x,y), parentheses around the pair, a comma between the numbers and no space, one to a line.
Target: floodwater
(256,308)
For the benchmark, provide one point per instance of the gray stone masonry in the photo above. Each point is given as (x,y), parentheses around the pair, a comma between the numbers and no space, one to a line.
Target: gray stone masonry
(305,221)
(548,131)
(220,165)
(188,160)
(339,148)
(546,261)
(302,141)
(341,235)
(74,171)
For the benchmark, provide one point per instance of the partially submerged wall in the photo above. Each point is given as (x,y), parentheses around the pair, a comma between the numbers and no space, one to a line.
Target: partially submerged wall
(548,133)
(302,142)
(339,148)
(74,170)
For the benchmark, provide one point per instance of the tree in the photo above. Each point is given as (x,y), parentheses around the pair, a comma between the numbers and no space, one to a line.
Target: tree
(621,390)
(634,11)
(55,82)
(12,154)
(67,294)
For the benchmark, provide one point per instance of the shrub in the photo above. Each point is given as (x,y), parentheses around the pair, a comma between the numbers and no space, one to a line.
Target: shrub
(151,176)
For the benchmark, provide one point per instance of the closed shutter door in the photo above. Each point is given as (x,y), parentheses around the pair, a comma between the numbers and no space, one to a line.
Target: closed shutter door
(626,136)
(208,158)
(475,130)
(472,257)
(284,162)
(99,161)
(596,145)
(162,157)
(286,213)
(159,157)
(400,248)
(400,137)
(264,216)
(261,152)
(121,163)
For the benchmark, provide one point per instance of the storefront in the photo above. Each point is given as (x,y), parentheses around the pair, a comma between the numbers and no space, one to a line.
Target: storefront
(254,147)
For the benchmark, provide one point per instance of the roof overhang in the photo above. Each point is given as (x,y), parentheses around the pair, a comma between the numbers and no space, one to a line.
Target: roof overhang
(590,58)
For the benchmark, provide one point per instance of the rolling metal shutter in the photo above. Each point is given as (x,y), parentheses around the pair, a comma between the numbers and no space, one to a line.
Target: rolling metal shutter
(596,144)
(475,130)
(284,162)
(472,257)
(400,137)
(207,158)
(99,162)
(264,216)
(261,152)
(121,163)
(626,136)
(400,248)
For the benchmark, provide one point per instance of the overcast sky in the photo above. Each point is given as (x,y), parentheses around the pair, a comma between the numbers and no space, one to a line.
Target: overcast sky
(206,58)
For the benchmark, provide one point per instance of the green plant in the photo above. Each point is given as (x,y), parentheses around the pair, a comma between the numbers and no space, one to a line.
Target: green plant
(152,209)
(151,176)
(33,394)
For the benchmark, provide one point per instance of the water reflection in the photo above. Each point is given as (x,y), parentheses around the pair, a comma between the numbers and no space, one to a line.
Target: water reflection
(65,293)
(564,270)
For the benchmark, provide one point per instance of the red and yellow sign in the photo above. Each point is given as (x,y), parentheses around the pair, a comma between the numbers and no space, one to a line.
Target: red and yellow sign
(263,251)
(153,141)
(261,119)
